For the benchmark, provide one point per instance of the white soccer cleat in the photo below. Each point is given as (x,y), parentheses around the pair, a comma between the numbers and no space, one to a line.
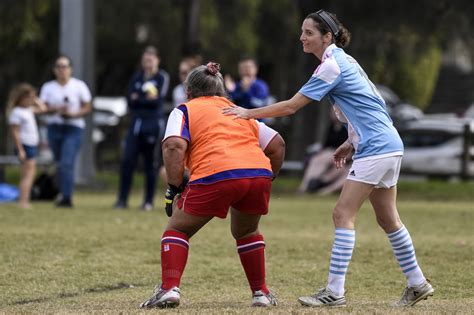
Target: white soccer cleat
(260,299)
(324,297)
(412,295)
(163,298)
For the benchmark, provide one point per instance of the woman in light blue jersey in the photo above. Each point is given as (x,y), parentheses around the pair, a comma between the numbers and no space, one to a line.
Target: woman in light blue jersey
(377,157)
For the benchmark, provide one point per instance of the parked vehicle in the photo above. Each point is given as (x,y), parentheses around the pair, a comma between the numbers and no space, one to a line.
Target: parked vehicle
(400,112)
(434,146)
(107,114)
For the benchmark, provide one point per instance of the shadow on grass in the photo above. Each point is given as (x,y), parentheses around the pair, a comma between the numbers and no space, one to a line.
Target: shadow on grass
(62,295)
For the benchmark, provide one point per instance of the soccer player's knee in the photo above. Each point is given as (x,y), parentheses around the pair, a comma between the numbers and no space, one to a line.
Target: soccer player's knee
(340,217)
(382,222)
(389,224)
(189,232)
(239,232)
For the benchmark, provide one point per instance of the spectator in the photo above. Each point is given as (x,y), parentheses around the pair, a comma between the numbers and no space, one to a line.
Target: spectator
(321,175)
(68,100)
(145,94)
(185,66)
(22,105)
(221,177)
(249,92)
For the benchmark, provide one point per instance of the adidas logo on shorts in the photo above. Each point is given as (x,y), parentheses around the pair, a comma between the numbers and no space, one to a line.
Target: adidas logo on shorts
(352,173)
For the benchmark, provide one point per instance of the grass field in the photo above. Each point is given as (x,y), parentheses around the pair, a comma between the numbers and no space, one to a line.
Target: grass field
(94,259)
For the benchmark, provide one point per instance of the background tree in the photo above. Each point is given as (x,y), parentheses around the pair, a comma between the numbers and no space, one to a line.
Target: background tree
(399,43)
(28,37)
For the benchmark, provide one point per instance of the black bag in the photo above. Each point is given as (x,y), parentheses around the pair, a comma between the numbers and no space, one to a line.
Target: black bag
(44,187)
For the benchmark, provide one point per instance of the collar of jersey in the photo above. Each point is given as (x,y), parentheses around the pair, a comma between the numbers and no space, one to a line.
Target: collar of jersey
(328,52)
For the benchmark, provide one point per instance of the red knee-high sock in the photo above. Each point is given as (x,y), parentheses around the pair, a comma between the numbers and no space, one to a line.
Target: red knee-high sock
(174,255)
(252,256)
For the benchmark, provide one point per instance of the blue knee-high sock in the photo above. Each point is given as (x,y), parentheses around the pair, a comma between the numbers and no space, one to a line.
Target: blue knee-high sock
(341,255)
(404,251)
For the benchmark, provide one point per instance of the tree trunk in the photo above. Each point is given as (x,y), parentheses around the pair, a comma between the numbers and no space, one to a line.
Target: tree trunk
(192,45)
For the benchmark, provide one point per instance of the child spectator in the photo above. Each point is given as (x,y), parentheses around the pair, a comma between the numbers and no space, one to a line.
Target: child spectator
(22,105)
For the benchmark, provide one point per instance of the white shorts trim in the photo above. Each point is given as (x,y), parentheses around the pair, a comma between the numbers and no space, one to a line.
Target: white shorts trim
(379,156)
(382,172)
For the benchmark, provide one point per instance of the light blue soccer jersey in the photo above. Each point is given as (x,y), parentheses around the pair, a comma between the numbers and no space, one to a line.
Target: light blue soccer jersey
(357,103)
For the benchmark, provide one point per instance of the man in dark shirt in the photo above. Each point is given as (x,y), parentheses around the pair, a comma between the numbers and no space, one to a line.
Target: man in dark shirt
(250,91)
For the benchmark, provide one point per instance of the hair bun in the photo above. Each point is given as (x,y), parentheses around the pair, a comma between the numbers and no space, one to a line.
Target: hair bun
(213,68)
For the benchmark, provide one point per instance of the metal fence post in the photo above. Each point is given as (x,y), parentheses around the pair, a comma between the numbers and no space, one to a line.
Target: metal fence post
(77,29)
(466,152)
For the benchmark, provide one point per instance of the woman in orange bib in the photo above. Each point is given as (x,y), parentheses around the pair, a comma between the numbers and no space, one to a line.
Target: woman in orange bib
(232,163)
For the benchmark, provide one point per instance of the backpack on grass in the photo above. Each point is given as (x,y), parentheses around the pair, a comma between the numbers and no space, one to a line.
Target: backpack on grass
(44,187)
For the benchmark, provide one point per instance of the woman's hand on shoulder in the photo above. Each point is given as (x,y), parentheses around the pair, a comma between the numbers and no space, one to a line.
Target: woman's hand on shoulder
(238,112)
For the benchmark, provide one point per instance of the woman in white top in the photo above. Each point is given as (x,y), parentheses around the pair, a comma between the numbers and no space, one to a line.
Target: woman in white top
(22,106)
(68,100)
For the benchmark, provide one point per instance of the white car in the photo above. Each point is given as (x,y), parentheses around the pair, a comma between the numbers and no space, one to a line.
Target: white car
(107,114)
(435,146)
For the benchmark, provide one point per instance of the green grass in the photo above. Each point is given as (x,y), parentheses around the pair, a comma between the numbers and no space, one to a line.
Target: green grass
(408,190)
(94,259)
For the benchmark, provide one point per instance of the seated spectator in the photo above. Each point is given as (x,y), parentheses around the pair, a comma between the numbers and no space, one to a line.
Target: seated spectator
(250,91)
(321,175)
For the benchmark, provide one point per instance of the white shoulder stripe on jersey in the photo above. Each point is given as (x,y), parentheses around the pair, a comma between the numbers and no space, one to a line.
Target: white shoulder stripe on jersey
(175,122)
(328,71)
(265,135)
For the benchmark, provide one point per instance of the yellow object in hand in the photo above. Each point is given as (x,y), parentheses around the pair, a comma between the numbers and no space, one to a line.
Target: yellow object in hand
(150,89)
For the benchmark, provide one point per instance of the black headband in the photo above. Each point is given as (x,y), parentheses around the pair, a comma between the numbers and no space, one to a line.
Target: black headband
(329,21)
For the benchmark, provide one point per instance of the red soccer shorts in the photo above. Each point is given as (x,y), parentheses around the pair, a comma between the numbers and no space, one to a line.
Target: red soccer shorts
(248,195)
